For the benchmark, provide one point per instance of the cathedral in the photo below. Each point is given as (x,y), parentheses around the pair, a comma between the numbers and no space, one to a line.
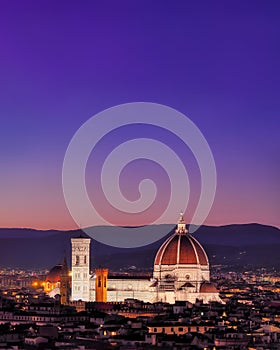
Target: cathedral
(181,273)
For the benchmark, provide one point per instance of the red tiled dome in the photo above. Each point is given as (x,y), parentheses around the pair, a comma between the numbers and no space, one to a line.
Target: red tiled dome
(208,287)
(54,275)
(181,248)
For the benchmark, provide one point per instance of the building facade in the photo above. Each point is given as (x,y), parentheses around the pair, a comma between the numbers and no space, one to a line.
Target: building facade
(181,272)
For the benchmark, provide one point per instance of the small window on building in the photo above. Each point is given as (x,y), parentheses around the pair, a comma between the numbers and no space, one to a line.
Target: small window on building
(77,259)
(155,329)
(85,259)
(99,281)
(180,329)
(104,282)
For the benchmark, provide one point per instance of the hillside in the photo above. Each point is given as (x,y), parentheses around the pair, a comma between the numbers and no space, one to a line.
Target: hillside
(233,244)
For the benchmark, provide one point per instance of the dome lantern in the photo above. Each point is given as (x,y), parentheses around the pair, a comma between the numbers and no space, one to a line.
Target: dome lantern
(181,226)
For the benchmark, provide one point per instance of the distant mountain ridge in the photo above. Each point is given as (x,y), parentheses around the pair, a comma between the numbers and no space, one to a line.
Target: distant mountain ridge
(231,244)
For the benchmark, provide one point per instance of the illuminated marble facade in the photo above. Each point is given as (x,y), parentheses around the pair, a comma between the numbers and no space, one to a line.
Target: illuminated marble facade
(181,272)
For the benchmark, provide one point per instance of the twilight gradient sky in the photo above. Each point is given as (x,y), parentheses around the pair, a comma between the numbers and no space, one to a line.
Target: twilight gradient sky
(63,61)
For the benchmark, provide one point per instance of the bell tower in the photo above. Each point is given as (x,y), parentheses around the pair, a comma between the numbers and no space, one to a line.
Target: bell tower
(101,285)
(80,268)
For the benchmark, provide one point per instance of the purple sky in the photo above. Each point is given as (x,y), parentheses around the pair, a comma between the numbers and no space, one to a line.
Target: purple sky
(63,61)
